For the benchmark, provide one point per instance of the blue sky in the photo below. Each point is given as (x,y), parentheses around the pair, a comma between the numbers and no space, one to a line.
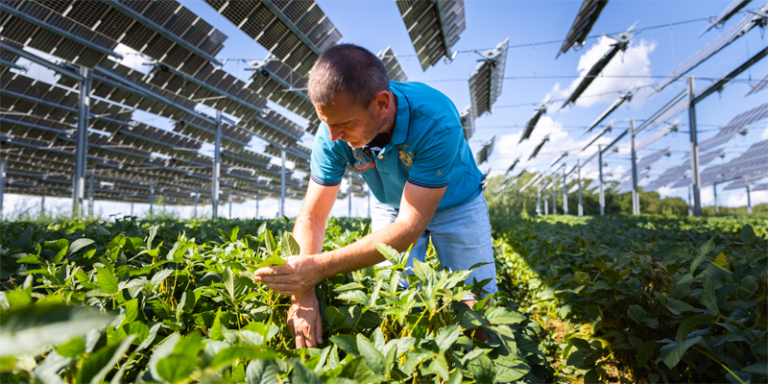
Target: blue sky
(529,25)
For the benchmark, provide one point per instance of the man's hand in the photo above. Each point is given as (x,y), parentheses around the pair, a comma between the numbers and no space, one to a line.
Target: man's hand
(304,320)
(299,274)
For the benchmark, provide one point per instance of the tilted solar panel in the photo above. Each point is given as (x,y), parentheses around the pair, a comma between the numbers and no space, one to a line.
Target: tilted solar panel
(433,26)
(486,81)
(736,126)
(486,151)
(538,147)
(759,86)
(531,124)
(394,70)
(656,136)
(468,122)
(616,104)
(585,19)
(733,7)
(760,187)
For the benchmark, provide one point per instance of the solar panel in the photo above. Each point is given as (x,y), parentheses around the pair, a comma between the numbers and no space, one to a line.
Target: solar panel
(486,82)
(434,27)
(151,139)
(621,44)
(538,147)
(760,187)
(605,130)
(727,37)
(468,122)
(394,70)
(486,151)
(296,32)
(531,124)
(732,8)
(512,167)
(670,175)
(736,184)
(646,161)
(736,126)
(626,185)
(556,160)
(585,19)
(627,96)
(759,86)
(753,163)
(656,136)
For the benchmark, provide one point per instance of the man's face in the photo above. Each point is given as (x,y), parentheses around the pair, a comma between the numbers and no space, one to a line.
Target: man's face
(354,123)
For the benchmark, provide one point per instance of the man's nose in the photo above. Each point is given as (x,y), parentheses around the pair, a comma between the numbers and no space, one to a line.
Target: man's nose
(335,133)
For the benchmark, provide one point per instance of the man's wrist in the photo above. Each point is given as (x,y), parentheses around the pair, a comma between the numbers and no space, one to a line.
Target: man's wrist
(301,296)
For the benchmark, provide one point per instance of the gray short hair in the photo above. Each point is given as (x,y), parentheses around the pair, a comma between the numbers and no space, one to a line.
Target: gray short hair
(349,68)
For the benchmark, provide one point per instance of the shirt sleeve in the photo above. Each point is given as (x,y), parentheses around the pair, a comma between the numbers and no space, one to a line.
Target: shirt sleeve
(326,165)
(435,160)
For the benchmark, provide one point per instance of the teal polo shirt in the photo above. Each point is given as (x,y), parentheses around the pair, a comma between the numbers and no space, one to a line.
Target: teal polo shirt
(427,149)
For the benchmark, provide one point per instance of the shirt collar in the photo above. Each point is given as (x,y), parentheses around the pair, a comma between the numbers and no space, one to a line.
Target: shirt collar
(402,121)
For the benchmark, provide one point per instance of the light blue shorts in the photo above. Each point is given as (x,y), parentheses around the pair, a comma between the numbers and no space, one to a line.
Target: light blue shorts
(461,236)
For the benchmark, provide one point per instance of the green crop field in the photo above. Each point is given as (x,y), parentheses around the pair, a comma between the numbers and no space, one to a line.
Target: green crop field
(628,300)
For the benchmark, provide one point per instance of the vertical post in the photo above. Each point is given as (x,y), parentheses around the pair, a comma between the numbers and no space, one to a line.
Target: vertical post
(90,197)
(230,205)
(578,180)
(690,203)
(749,198)
(151,196)
(554,195)
(3,166)
(695,176)
(42,206)
(216,168)
(635,192)
(714,188)
(600,165)
(538,200)
(565,192)
(282,184)
(546,204)
(81,145)
(257,208)
(197,198)
(131,208)
(349,208)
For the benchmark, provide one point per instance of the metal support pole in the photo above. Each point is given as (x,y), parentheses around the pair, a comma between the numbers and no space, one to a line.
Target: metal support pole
(3,166)
(349,205)
(282,184)
(714,188)
(546,204)
(197,198)
(90,197)
(257,208)
(131,208)
(42,206)
(695,176)
(600,180)
(369,203)
(749,198)
(81,145)
(690,203)
(578,176)
(565,192)
(538,200)
(230,205)
(554,195)
(216,174)
(635,192)
(151,196)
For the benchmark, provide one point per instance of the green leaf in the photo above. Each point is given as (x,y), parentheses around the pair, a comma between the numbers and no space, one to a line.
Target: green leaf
(152,234)
(272,261)
(747,234)
(302,374)
(97,365)
(416,357)
(229,355)
(216,329)
(374,358)
(72,348)
(456,377)
(509,369)
(677,307)
(234,284)
(636,313)
(28,259)
(482,369)
(707,247)
(356,296)
(357,370)
(107,280)
(708,297)
(391,254)
(333,316)
(672,353)
(262,372)
(503,316)
(161,351)
(288,245)
(26,329)
(78,245)
(347,343)
(690,323)
(645,352)
(160,276)
(175,368)
(447,336)
(758,368)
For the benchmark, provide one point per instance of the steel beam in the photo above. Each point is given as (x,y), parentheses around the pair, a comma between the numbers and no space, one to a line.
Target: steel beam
(216,173)
(50,28)
(717,86)
(600,180)
(151,196)
(749,198)
(81,145)
(291,26)
(690,202)
(538,200)
(4,120)
(635,192)
(6,63)
(578,180)
(440,5)
(282,184)
(42,206)
(90,197)
(266,72)
(545,201)
(3,167)
(554,195)
(160,30)
(565,191)
(40,61)
(695,175)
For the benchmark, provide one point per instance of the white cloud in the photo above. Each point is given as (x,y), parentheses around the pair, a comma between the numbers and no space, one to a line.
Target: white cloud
(764,136)
(633,63)
(133,59)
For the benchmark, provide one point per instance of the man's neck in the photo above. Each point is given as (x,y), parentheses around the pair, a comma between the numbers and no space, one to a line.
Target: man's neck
(389,125)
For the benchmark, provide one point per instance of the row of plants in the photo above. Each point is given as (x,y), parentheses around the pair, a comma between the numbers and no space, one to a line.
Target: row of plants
(175,302)
(644,300)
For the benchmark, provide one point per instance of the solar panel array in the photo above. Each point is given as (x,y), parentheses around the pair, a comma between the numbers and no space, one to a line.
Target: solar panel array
(759,86)
(616,104)
(585,19)
(434,27)
(730,10)
(760,187)
(736,126)
(626,185)
(468,122)
(656,136)
(678,174)
(486,82)
(295,32)
(753,164)
(538,147)
(531,124)
(486,151)
(394,70)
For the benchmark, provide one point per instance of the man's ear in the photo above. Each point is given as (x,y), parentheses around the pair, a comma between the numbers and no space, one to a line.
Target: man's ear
(382,102)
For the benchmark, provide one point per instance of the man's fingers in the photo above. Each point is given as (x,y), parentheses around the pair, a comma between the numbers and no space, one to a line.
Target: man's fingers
(319,329)
(274,271)
(299,340)
(309,338)
(277,279)
(291,328)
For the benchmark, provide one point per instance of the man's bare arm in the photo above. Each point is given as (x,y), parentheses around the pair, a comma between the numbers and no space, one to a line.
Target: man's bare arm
(309,230)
